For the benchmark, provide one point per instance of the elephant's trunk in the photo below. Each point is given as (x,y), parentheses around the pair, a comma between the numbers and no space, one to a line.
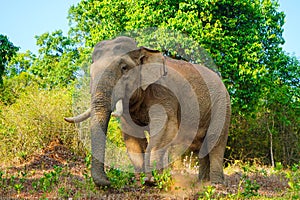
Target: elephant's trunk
(99,122)
(101,108)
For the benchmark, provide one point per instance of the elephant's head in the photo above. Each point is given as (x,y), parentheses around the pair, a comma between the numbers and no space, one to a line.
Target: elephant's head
(133,71)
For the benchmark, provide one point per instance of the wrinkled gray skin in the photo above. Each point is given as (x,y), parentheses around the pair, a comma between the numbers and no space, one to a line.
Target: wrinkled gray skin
(154,99)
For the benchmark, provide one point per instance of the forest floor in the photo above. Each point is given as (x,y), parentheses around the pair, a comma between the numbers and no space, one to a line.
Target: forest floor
(57,173)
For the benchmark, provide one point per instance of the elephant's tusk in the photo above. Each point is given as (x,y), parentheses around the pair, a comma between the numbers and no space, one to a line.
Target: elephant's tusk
(119,109)
(79,118)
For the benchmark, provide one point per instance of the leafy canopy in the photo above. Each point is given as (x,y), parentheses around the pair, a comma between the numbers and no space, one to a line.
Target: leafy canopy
(7,51)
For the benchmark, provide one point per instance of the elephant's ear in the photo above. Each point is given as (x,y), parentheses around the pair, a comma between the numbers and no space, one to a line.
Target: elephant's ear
(141,54)
(152,66)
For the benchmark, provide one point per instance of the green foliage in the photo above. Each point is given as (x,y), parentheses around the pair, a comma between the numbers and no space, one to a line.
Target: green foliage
(119,179)
(294,181)
(64,193)
(55,66)
(49,180)
(142,178)
(17,77)
(278,166)
(163,180)
(114,133)
(14,86)
(247,188)
(20,62)
(209,192)
(18,187)
(56,63)
(250,188)
(7,51)
(12,181)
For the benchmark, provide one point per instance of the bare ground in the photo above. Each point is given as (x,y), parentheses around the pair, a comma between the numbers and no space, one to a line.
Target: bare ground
(24,181)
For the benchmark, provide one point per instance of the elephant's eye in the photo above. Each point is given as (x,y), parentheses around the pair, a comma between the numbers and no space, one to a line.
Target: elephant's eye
(124,68)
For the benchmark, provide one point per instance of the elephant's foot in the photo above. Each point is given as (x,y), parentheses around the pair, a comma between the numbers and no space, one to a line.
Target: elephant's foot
(101,181)
(217,178)
(204,173)
(203,177)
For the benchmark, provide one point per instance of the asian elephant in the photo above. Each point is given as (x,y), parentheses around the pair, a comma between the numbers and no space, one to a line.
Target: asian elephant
(181,105)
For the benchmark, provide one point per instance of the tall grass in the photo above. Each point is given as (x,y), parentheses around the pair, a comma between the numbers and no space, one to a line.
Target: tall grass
(33,121)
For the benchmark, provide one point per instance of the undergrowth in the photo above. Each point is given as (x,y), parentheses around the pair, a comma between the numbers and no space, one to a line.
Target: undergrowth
(61,182)
(33,121)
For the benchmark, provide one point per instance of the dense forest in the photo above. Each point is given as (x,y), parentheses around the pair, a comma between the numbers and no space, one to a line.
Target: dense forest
(244,39)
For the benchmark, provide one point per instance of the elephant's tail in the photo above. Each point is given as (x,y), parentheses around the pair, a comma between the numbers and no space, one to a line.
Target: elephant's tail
(79,118)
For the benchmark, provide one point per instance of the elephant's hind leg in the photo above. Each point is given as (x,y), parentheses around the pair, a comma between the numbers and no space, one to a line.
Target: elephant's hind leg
(215,140)
(204,168)
(216,157)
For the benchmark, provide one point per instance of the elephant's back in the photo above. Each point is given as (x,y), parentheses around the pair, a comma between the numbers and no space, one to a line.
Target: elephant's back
(194,77)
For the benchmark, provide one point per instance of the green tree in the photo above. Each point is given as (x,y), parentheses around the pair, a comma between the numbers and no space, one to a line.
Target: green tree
(17,77)
(7,51)
(281,102)
(56,62)
(20,62)
(54,66)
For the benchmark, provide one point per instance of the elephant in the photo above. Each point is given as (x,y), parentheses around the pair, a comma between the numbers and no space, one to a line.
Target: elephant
(183,106)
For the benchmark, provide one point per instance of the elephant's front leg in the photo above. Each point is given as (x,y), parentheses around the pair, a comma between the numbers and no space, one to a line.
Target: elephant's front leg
(159,145)
(136,144)
(163,130)
(136,150)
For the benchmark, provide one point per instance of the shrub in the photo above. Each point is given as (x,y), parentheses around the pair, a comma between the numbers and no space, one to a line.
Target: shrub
(33,121)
